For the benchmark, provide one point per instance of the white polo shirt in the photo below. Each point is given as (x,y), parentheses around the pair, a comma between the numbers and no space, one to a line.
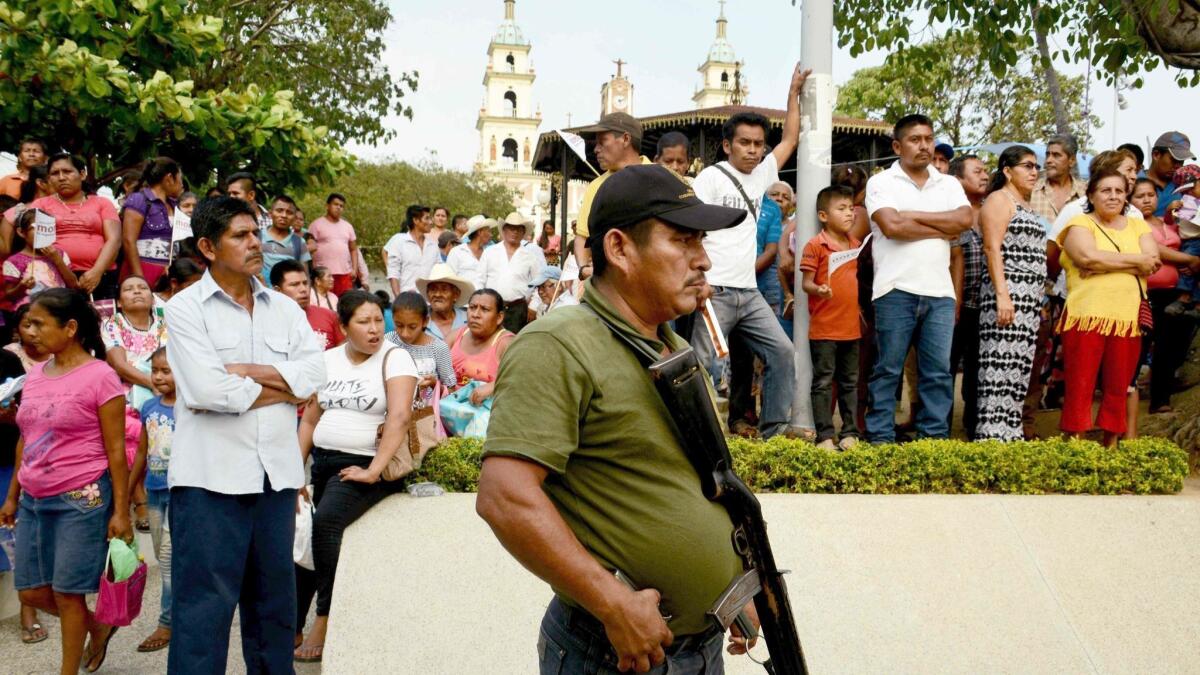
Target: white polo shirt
(919,267)
(733,250)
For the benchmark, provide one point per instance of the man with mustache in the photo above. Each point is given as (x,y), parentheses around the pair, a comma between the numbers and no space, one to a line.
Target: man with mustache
(915,213)
(601,483)
(243,357)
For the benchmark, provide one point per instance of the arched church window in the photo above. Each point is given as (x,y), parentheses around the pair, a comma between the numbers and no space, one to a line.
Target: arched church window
(512,63)
(510,150)
(724,79)
(512,100)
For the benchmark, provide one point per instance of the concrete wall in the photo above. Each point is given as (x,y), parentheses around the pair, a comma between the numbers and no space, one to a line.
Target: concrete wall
(928,583)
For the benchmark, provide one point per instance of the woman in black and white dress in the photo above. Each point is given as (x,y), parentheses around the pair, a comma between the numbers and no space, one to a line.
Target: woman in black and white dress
(1014,243)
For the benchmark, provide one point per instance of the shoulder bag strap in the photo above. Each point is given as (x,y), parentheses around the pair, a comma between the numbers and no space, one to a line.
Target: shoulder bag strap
(738,184)
(1100,229)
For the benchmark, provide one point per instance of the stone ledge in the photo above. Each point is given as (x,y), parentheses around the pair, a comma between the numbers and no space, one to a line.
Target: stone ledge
(921,583)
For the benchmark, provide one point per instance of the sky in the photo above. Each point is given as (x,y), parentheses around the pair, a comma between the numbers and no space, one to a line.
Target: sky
(663,42)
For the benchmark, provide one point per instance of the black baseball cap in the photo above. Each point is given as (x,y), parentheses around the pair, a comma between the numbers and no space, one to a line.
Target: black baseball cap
(644,191)
(620,122)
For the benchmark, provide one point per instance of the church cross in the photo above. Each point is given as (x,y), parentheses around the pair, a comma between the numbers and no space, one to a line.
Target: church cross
(620,63)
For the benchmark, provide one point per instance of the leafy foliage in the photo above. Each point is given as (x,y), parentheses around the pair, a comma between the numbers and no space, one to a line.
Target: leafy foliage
(1100,32)
(112,81)
(378,194)
(949,80)
(329,53)
(1143,466)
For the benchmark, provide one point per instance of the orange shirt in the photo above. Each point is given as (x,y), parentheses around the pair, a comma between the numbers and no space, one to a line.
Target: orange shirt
(11,185)
(835,318)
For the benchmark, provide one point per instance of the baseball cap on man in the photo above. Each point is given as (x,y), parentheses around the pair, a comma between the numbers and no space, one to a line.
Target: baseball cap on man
(620,122)
(1177,144)
(644,191)
(945,150)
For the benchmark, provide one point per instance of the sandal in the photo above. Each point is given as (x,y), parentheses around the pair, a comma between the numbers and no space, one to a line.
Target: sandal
(30,635)
(153,644)
(95,658)
(142,524)
(311,654)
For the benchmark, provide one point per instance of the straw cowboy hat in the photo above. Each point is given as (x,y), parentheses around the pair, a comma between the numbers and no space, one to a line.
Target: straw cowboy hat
(443,273)
(477,223)
(515,219)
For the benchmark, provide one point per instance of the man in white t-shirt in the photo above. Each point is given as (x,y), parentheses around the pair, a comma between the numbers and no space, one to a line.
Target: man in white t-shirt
(915,213)
(743,314)
(411,255)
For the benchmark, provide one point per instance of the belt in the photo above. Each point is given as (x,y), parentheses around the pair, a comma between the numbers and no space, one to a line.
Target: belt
(578,619)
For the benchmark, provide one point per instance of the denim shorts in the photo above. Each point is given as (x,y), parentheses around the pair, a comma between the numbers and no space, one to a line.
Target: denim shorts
(62,540)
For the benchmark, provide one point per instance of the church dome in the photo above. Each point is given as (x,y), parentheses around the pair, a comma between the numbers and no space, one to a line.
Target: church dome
(509,34)
(721,51)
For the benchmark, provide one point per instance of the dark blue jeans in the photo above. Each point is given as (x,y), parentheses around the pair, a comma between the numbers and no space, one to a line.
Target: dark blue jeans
(573,642)
(232,551)
(902,320)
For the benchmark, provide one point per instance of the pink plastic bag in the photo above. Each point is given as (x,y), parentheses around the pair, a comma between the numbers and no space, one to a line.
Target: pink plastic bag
(120,602)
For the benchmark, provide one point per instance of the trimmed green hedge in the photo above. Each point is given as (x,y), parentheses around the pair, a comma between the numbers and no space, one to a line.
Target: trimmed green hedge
(1144,466)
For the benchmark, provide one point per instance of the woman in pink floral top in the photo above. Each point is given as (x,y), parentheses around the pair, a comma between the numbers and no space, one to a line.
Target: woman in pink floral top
(133,334)
(71,491)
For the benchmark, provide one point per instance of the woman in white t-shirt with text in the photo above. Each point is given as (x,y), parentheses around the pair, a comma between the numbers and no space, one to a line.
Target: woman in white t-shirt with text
(370,382)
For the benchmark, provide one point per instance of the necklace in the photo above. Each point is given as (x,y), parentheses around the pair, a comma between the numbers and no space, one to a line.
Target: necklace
(72,207)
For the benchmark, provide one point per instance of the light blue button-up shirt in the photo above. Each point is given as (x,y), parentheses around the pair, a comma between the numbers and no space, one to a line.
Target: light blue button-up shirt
(220,444)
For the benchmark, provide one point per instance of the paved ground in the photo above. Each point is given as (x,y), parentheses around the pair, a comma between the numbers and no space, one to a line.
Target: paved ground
(123,658)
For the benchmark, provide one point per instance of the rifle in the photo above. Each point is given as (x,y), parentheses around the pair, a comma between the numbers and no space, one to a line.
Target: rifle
(683,387)
(682,384)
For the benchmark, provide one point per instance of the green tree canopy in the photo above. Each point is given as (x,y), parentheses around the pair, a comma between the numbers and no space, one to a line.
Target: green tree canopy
(1101,32)
(328,52)
(378,194)
(949,80)
(113,81)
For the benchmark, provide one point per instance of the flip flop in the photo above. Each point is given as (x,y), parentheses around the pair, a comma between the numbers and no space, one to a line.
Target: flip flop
(148,646)
(102,653)
(320,651)
(28,634)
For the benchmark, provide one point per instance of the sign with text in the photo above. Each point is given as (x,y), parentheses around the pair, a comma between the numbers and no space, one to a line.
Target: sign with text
(44,232)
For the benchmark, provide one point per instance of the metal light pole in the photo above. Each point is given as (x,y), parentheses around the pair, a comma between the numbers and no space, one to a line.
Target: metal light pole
(813,160)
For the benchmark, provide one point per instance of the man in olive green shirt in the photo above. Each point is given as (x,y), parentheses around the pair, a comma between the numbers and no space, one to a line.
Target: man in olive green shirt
(583,475)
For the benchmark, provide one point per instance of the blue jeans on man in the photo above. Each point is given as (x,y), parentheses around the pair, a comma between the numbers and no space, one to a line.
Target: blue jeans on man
(232,552)
(745,316)
(904,320)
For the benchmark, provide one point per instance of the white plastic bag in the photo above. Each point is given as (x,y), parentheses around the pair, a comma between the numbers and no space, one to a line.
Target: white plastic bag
(302,546)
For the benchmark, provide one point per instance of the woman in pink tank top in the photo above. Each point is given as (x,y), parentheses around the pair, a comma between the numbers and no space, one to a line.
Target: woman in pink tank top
(477,348)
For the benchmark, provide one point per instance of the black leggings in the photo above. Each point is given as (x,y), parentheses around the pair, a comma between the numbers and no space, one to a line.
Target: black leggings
(338,504)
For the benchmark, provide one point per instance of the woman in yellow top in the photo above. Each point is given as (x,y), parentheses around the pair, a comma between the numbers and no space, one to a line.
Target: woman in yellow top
(1106,256)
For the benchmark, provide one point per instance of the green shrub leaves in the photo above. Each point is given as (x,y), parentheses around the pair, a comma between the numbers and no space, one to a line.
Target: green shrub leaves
(1144,466)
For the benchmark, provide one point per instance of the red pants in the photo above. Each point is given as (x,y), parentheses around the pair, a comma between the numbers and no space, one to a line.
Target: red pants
(342,283)
(1085,355)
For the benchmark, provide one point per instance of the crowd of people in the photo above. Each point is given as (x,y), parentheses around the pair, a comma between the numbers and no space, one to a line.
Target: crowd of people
(1036,285)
